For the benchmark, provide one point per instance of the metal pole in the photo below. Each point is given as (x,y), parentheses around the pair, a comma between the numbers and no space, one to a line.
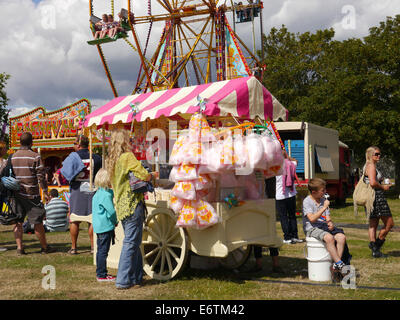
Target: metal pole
(261,31)
(90,159)
(103,156)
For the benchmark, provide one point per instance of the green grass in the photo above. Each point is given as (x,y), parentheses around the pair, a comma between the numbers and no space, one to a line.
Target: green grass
(75,275)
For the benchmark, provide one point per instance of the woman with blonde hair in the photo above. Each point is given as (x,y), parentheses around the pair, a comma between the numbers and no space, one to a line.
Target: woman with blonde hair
(128,205)
(381,208)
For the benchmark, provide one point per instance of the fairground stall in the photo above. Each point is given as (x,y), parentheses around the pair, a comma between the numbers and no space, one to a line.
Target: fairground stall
(202,202)
(54,134)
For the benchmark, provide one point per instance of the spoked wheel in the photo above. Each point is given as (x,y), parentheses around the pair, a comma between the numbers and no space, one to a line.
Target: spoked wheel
(236,258)
(164,246)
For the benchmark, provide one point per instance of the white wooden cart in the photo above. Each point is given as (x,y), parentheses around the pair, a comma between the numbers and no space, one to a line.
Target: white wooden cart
(165,247)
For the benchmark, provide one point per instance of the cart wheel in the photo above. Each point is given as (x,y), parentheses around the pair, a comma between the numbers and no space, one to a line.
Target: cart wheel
(236,258)
(164,246)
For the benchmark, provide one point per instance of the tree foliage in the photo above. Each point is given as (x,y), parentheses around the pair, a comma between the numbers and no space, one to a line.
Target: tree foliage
(352,85)
(3,103)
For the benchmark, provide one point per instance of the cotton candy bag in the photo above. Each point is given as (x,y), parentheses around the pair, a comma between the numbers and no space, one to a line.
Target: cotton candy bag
(184,190)
(183,172)
(206,215)
(179,150)
(255,150)
(187,215)
(176,204)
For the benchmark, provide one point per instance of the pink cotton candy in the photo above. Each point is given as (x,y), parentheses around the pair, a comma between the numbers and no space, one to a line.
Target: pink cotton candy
(176,204)
(206,215)
(269,149)
(179,150)
(187,215)
(184,190)
(278,155)
(184,172)
(213,157)
(239,147)
(228,157)
(255,152)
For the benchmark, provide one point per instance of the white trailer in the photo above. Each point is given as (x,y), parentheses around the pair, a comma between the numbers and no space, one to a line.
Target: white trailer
(320,154)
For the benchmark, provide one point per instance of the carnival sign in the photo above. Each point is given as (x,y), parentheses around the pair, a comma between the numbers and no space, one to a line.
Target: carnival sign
(50,128)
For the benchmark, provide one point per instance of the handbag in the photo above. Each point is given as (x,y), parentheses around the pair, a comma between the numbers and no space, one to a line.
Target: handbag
(363,195)
(139,186)
(8,214)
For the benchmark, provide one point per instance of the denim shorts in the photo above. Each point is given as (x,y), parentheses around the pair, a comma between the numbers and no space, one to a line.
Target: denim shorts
(316,233)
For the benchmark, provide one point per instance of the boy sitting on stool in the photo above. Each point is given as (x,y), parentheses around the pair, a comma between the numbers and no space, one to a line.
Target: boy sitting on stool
(317,224)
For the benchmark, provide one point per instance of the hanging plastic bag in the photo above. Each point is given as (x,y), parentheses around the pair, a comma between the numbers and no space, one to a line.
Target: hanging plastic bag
(255,152)
(187,215)
(183,172)
(184,190)
(176,204)
(179,150)
(206,215)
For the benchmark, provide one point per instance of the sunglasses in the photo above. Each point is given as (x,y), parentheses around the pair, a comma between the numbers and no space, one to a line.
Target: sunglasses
(377,154)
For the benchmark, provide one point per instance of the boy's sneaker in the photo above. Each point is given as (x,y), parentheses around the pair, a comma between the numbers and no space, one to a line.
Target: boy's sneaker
(290,241)
(296,240)
(338,266)
(107,278)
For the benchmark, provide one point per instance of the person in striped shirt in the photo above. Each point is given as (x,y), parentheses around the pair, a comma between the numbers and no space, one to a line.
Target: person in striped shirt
(56,213)
(29,171)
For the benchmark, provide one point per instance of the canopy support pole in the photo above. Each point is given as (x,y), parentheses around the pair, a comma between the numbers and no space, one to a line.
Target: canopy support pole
(103,156)
(90,160)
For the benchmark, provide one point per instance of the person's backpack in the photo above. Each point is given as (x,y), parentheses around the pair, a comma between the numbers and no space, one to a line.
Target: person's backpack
(8,213)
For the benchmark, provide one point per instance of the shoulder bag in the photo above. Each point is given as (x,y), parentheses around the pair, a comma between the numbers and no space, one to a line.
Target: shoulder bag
(363,195)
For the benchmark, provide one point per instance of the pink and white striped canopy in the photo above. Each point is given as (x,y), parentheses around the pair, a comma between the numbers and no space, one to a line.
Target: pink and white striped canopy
(243,97)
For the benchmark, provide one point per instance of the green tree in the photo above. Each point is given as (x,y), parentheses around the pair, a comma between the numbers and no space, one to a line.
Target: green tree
(3,103)
(351,85)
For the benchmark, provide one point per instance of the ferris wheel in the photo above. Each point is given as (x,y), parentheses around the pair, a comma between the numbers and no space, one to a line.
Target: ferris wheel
(197,43)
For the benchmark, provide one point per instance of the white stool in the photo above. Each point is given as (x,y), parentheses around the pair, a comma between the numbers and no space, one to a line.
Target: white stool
(319,260)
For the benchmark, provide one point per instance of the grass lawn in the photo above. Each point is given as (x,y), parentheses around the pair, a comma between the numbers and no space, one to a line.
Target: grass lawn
(75,275)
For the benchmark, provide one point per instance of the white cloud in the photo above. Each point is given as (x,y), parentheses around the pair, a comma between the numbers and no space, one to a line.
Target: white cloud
(43,45)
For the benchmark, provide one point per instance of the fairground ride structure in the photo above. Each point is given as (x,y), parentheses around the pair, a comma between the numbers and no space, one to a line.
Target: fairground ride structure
(197,44)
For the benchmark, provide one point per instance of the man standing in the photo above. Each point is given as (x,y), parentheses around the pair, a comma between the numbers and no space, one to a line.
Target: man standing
(29,171)
(80,200)
(286,200)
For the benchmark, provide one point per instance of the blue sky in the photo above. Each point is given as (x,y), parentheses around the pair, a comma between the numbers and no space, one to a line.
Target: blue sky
(44,47)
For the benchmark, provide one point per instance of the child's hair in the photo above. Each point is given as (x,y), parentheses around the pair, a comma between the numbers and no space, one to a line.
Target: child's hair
(102,179)
(54,193)
(316,184)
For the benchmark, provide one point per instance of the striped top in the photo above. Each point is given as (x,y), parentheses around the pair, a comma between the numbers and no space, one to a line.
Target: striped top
(29,171)
(56,213)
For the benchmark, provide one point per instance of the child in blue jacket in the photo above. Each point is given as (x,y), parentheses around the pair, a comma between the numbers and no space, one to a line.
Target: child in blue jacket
(104,219)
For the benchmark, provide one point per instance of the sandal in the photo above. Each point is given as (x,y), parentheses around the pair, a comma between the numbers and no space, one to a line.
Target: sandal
(72,251)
